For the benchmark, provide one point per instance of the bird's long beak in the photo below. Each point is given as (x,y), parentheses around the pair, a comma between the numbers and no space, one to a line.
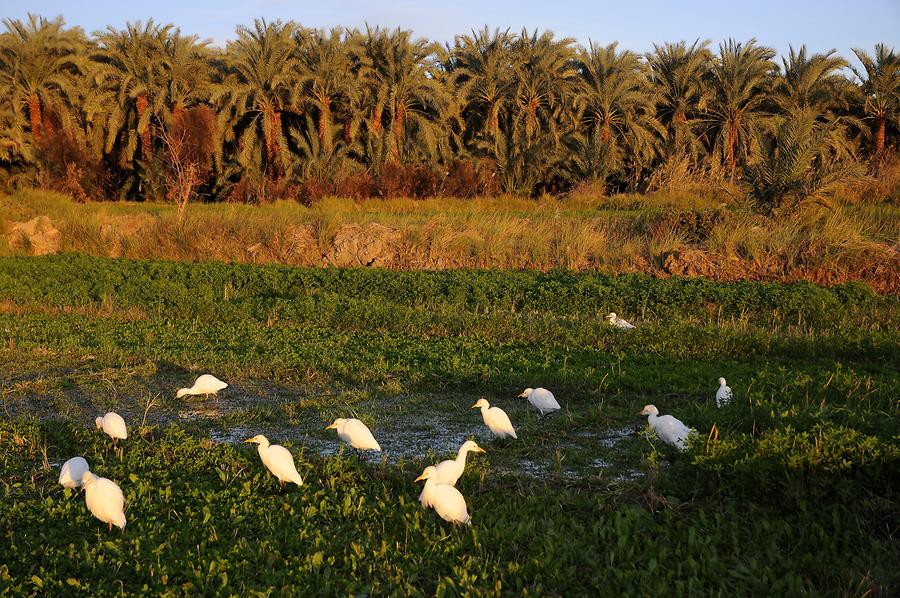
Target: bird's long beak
(475,406)
(250,440)
(478,449)
(331,427)
(420,478)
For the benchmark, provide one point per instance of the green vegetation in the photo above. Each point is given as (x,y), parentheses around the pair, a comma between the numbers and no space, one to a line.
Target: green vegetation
(287,112)
(792,489)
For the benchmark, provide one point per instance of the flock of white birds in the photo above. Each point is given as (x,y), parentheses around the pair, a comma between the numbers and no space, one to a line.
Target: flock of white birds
(105,501)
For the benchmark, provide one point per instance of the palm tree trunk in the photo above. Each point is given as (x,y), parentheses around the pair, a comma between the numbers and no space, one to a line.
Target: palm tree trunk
(325,124)
(398,130)
(146,145)
(273,127)
(34,114)
(879,134)
(376,117)
(348,133)
(605,135)
(731,143)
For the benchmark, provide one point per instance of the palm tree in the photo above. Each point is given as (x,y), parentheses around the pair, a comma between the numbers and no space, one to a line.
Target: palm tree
(741,80)
(404,93)
(40,62)
(187,72)
(479,67)
(327,76)
(262,85)
(131,71)
(616,109)
(802,158)
(812,82)
(678,75)
(880,79)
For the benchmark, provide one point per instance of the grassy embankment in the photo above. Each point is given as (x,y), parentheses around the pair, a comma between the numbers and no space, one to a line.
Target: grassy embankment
(795,490)
(624,233)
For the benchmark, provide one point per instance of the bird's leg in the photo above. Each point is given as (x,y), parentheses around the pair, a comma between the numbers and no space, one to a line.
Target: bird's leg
(110,527)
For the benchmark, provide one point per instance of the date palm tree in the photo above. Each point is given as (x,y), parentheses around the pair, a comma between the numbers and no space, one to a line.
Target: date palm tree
(40,65)
(741,80)
(130,72)
(326,68)
(617,111)
(880,77)
(678,74)
(261,86)
(405,95)
(480,68)
(812,81)
(187,72)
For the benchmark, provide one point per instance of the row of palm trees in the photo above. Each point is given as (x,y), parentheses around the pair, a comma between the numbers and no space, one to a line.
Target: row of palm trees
(286,104)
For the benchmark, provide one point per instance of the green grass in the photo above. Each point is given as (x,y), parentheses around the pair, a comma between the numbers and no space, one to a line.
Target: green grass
(790,490)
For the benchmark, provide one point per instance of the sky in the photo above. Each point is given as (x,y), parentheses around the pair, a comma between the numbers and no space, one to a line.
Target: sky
(636,24)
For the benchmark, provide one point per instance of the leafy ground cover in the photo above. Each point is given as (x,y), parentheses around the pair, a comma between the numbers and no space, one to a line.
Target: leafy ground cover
(790,490)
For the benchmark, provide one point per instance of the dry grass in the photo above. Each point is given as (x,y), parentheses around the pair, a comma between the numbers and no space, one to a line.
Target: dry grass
(614,234)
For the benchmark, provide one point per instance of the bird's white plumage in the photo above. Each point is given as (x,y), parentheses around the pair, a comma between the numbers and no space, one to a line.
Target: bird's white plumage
(446,500)
(104,499)
(355,433)
(72,472)
(541,399)
(619,323)
(495,419)
(669,429)
(277,459)
(113,425)
(723,395)
(207,384)
(450,470)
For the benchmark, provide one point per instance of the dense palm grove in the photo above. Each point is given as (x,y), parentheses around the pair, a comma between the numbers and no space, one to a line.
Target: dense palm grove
(147,112)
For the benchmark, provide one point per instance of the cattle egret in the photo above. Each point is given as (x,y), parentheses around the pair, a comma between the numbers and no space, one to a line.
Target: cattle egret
(277,459)
(355,433)
(541,399)
(104,500)
(113,424)
(444,498)
(670,430)
(495,419)
(72,472)
(620,323)
(206,385)
(723,395)
(449,471)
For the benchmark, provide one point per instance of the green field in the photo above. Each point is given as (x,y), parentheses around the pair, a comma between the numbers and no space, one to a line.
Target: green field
(791,490)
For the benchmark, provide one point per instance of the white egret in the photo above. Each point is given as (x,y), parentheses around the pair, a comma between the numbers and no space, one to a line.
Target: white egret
(277,459)
(669,429)
(620,323)
(206,385)
(355,433)
(113,425)
(104,500)
(495,419)
(449,471)
(723,395)
(444,498)
(541,399)
(72,471)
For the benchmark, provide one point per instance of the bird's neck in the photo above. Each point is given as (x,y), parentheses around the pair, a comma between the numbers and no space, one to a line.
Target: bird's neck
(461,456)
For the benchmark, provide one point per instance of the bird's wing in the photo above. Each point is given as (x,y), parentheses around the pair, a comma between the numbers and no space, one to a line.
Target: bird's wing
(449,503)
(361,436)
(280,459)
(499,419)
